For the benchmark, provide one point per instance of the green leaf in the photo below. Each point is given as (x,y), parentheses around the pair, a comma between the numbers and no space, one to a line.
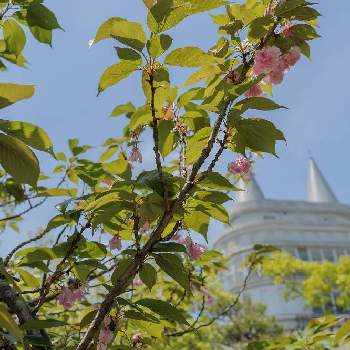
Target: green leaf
(39,15)
(213,196)
(11,93)
(171,247)
(342,333)
(167,138)
(196,143)
(172,265)
(120,167)
(115,73)
(259,103)
(59,192)
(14,36)
(304,32)
(29,279)
(123,109)
(216,181)
(286,6)
(29,133)
(41,324)
(128,33)
(88,318)
(141,117)
(197,221)
(166,14)
(164,309)
(18,160)
(127,54)
(148,275)
(158,44)
(121,268)
(8,323)
(259,27)
(189,56)
(257,135)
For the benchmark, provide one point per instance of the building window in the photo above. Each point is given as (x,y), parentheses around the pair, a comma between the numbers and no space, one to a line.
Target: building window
(316,254)
(303,253)
(328,254)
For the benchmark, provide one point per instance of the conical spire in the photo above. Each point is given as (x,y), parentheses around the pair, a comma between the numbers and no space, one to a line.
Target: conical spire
(252,191)
(318,188)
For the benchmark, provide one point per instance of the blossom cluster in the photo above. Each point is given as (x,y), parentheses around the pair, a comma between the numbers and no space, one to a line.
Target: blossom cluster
(70,295)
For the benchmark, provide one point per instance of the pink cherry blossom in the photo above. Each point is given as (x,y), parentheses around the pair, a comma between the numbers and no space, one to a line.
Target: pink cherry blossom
(286,30)
(146,226)
(135,155)
(66,298)
(276,76)
(291,57)
(137,339)
(240,166)
(194,250)
(78,294)
(106,335)
(266,60)
(137,282)
(177,237)
(115,242)
(254,91)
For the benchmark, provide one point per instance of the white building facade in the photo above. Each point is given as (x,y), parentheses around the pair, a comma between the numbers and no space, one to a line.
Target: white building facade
(317,229)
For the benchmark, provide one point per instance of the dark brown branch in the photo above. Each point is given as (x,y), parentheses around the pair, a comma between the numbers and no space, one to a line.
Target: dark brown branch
(17,305)
(60,267)
(133,268)
(156,138)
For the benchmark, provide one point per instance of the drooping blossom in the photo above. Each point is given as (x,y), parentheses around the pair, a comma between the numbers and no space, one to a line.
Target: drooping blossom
(194,250)
(146,226)
(115,242)
(137,282)
(106,334)
(137,339)
(266,60)
(286,30)
(135,155)
(207,294)
(276,76)
(254,91)
(66,298)
(291,57)
(70,295)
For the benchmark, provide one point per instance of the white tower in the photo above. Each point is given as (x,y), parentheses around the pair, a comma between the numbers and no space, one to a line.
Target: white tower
(316,229)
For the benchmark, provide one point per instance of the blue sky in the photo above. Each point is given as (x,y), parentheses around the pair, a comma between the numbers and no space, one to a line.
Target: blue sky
(65,104)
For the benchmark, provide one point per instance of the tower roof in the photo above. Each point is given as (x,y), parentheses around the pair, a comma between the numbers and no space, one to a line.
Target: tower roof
(318,188)
(252,191)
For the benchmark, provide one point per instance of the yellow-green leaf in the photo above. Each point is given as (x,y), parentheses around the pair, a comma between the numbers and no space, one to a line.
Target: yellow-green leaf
(128,33)
(189,56)
(11,93)
(115,73)
(8,323)
(18,160)
(30,134)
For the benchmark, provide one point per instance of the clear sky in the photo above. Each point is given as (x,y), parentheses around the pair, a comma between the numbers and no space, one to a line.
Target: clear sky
(65,104)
